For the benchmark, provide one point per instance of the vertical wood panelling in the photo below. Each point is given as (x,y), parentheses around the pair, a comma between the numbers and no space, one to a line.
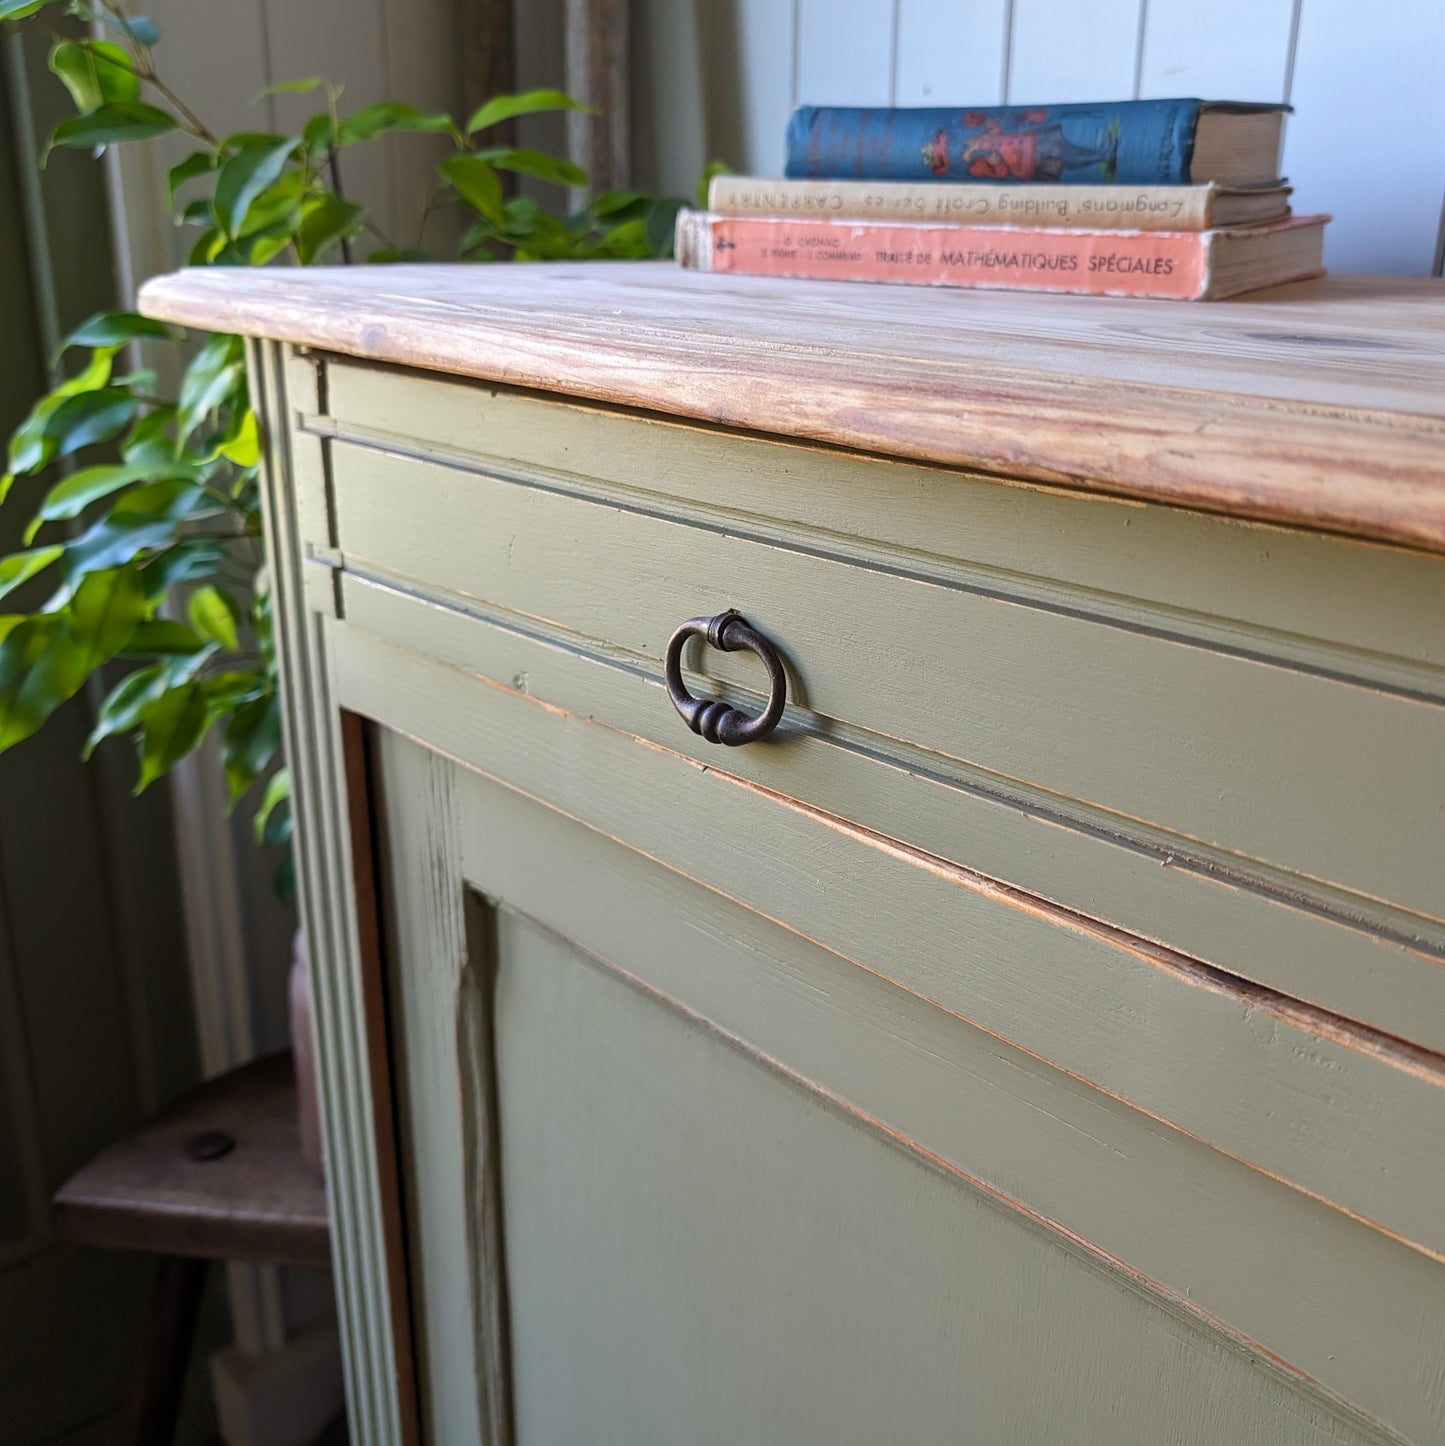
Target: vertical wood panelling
(1226,50)
(421,68)
(951,52)
(748,82)
(1072,52)
(324,886)
(845,52)
(668,71)
(1367,140)
(540,63)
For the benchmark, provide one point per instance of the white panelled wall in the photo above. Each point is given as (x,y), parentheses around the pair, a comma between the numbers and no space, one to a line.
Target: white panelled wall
(1366,142)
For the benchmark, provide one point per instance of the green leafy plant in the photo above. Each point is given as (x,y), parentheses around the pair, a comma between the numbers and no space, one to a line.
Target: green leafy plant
(144,544)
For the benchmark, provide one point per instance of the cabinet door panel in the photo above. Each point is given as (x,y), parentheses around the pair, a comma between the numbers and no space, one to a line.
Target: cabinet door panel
(1147,1028)
(633,1224)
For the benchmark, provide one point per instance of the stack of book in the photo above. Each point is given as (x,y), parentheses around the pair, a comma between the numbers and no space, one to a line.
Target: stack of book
(1160,198)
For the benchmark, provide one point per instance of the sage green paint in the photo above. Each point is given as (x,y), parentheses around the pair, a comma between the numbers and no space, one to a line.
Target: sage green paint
(786,1115)
(1217,748)
(707,1235)
(1342,1121)
(1157,568)
(1012,834)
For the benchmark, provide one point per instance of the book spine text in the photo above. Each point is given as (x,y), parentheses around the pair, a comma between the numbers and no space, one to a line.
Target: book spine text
(1158,264)
(1146,208)
(1128,143)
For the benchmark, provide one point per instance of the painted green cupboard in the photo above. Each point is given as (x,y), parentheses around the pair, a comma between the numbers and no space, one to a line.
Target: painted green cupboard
(1039,1036)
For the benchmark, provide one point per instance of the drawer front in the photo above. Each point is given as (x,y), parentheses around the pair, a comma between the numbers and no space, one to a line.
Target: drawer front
(1221,783)
(872,983)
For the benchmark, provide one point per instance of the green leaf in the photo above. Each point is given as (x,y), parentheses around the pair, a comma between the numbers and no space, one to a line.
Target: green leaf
(699,191)
(198,163)
(527,162)
(324,222)
(289,87)
(627,242)
(119,121)
(610,203)
(252,740)
(317,134)
(162,637)
(19,9)
(404,253)
(213,615)
(278,791)
(95,373)
(172,728)
(104,613)
(661,224)
(259,247)
(225,692)
(149,441)
(208,246)
(183,562)
(30,688)
(278,830)
(214,375)
(277,207)
(390,115)
(30,448)
(505,107)
(20,567)
(72,496)
(171,499)
(46,659)
(242,179)
(95,73)
(477,183)
(114,541)
(127,704)
(243,446)
(79,421)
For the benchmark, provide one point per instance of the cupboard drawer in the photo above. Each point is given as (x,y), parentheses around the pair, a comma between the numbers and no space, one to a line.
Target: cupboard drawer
(1214,782)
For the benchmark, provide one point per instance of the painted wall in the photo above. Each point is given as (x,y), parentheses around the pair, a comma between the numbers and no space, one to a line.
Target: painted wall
(222,55)
(1366,142)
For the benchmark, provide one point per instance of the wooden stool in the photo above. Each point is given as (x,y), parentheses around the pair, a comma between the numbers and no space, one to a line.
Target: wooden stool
(216,1176)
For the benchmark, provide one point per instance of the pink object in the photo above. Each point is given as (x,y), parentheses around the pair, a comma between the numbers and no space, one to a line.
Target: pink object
(303,1048)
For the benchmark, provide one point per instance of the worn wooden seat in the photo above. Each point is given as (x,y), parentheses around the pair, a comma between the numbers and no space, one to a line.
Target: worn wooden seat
(216,1176)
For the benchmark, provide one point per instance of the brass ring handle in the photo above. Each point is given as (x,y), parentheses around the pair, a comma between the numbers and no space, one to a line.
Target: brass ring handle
(712,719)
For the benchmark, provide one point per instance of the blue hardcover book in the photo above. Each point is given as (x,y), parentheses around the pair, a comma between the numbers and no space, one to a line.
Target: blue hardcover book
(1129,143)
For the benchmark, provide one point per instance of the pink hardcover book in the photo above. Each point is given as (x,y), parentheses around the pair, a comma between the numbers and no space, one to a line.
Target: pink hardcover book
(1183,265)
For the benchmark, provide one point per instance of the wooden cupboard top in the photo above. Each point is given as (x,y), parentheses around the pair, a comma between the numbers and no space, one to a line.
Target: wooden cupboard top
(1320,404)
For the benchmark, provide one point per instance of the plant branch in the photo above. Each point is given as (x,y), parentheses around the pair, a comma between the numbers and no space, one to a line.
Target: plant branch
(146,70)
(333,161)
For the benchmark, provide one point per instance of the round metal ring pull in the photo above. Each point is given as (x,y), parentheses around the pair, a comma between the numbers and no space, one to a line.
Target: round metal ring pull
(713,719)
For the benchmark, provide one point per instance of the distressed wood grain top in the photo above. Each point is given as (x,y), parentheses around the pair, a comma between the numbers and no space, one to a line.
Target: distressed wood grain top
(1320,404)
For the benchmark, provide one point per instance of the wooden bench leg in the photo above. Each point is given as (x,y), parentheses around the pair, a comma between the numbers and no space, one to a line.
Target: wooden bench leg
(169,1330)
